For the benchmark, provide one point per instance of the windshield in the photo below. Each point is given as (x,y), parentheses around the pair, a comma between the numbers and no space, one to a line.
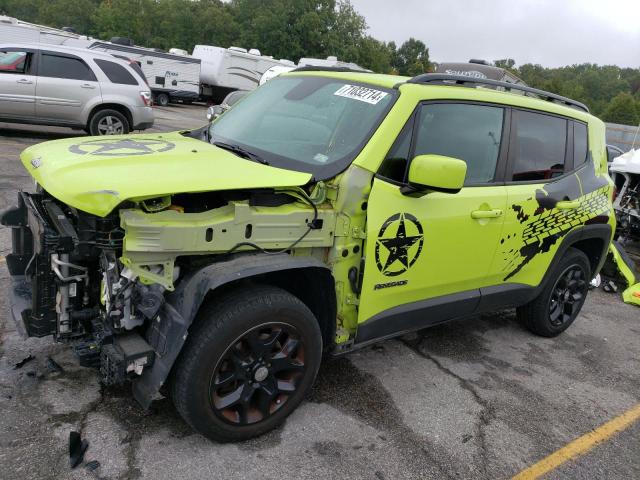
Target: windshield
(310,124)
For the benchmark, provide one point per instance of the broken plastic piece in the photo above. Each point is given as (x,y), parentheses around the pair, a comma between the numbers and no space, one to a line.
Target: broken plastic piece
(92,466)
(77,448)
(23,362)
(53,365)
(632,295)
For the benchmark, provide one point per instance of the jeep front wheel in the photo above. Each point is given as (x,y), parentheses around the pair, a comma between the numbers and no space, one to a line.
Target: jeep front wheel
(562,298)
(248,363)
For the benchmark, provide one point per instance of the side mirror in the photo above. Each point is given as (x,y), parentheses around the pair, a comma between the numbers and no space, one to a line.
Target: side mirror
(436,172)
(214,112)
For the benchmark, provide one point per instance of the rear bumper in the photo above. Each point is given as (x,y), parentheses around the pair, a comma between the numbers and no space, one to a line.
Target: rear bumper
(143,118)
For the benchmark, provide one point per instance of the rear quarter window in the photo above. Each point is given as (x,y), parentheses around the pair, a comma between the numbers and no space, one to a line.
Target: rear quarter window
(540,147)
(580,144)
(116,73)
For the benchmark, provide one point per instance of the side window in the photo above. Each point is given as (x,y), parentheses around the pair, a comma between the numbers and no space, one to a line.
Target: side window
(468,132)
(540,146)
(14,62)
(57,66)
(395,164)
(116,73)
(580,144)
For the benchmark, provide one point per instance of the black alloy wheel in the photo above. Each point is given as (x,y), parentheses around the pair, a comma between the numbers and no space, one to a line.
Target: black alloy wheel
(567,296)
(257,374)
(561,298)
(249,360)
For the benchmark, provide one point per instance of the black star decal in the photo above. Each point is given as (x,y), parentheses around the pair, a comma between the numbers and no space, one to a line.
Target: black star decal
(398,247)
(135,145)
(121,147)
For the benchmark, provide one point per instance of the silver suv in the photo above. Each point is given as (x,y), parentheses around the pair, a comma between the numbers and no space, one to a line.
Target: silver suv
(72,87)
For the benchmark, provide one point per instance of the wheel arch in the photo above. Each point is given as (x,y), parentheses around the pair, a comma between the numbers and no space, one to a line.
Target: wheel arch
(111,106)
(305,277)
(592,240)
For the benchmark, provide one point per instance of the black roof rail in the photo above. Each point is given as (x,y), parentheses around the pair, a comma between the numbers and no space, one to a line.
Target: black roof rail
(464,81)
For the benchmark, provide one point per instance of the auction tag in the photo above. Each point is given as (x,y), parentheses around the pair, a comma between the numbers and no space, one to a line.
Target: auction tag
(364,94)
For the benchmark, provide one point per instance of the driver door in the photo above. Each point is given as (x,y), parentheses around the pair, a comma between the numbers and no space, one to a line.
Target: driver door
(427,256)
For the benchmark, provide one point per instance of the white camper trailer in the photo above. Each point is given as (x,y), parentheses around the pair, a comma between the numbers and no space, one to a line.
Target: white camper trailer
(226,69)
(13,30)
(169,76)
(331,62)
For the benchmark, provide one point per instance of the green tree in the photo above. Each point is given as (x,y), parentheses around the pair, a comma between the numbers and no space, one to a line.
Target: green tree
(412,58)
(69,13)
(623,109)
(506,63)
(375,55)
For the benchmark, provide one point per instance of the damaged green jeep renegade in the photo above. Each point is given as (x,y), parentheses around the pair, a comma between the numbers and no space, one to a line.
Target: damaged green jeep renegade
(325,211)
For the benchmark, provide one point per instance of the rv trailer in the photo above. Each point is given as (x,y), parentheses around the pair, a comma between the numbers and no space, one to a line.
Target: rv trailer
(330,62)
(170,76)
(224,70)
(479,69)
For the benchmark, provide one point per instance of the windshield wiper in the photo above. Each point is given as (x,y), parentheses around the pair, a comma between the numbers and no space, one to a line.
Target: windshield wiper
(241,152)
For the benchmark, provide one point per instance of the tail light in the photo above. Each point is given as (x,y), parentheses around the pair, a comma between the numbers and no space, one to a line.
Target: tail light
(146,98)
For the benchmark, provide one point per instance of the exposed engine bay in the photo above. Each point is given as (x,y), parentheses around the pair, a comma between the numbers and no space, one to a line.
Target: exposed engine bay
(78,282)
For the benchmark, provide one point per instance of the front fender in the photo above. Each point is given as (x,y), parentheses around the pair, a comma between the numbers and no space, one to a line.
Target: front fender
(168,335)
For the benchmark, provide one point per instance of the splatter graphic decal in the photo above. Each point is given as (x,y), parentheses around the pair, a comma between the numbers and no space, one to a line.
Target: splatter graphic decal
(544,224)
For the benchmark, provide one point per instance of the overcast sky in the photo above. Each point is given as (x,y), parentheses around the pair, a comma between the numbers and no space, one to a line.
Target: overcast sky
(549,32)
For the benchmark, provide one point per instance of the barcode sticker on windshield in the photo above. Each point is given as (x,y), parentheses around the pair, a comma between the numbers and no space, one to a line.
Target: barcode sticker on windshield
(363,94)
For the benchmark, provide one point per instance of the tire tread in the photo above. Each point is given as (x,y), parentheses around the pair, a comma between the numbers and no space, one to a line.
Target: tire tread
(212,318)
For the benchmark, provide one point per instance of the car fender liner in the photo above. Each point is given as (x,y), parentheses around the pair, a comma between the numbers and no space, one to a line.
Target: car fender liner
(168,333)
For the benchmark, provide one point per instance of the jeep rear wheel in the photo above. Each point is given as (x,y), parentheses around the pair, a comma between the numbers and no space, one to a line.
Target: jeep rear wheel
(561,300)
(247,364)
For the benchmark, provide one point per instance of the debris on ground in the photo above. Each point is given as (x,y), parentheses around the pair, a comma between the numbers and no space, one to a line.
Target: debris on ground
(23,362)
(92,466)
(54,366)
(77,448)
(610,287)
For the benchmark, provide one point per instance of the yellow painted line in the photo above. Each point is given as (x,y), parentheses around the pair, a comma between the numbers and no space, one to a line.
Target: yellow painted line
(580,445)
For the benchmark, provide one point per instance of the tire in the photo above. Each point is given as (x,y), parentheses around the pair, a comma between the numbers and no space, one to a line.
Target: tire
(108,122)
(228,391)
(162,99)
(561,299)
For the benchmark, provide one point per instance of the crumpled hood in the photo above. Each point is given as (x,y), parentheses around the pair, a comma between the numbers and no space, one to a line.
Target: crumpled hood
(95,174)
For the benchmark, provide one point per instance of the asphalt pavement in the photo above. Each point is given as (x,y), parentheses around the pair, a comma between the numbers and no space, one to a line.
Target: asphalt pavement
(475,399)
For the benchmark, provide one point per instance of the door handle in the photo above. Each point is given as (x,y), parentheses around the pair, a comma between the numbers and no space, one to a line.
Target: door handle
(495,213)
(88,85)
(24,81)
(568,205)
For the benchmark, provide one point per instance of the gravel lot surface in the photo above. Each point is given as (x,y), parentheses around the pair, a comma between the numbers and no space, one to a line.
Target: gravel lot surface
(474,399)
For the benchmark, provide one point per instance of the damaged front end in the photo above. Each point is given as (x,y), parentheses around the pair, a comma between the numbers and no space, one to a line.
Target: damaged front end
(110,286)
(66,281)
